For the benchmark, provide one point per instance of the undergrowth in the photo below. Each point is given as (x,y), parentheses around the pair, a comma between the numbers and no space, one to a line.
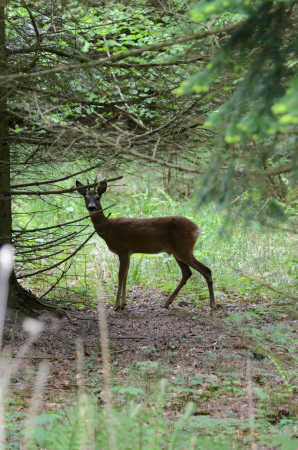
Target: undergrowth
(247,262)
(251,267)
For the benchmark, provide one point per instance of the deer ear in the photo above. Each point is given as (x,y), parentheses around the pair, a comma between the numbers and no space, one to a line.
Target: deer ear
(102,187)
(81,189)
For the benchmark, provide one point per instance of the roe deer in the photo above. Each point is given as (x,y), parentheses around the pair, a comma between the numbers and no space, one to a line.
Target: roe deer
(174,235)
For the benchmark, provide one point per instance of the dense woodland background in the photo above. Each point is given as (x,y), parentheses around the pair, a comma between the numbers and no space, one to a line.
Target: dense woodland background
(195,104)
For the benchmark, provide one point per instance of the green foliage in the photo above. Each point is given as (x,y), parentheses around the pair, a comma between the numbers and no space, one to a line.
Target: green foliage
(84,32)
(134,426)
(257,123)
(260,95)
(145,425)
(208,9)
(269,341)
(287,107)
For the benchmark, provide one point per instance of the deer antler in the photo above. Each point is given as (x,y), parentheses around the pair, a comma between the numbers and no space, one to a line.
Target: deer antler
(96,182)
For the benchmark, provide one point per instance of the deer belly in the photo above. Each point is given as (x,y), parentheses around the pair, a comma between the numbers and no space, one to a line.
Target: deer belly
(144,247)
(151,250)
(150,246)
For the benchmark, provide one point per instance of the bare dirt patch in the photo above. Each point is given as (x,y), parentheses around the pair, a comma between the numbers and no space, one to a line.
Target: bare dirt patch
(185,340)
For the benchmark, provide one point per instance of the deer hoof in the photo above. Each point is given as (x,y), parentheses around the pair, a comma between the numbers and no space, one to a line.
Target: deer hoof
(119,307)
(216,306)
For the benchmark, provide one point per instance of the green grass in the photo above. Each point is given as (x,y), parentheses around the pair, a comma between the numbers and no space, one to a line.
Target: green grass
(246,262)
(153,414)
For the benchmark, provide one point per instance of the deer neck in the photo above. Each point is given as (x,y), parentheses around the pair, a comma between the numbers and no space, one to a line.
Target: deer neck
(99,220)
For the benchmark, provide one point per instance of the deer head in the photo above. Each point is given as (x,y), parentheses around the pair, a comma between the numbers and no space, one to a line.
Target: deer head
(92,196)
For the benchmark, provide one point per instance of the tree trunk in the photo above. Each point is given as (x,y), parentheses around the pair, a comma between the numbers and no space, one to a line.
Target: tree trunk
(18,297)
(5,202)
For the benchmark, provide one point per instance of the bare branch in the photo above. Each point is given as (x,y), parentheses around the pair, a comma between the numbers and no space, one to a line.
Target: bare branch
(38,258)
(56,282)
(285,168)
(37,34)
(61,225)
(52,243)
(117,57)
(60,262)
(160,161)
(55,192)
(38,38)
(171,120)
(106,106)
(39,183)
(84,58)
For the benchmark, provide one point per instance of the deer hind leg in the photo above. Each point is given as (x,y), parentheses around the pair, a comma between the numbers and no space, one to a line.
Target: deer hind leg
(123,289)
(122,277)
(207,274)
(186,274)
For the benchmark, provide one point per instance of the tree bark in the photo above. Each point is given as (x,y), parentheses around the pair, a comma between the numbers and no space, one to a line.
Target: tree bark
(5,201)
(18,297)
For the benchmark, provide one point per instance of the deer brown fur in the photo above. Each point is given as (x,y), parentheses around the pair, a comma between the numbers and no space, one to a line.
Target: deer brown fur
(124,236)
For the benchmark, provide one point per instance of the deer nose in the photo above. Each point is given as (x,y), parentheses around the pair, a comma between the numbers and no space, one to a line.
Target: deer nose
(91,207)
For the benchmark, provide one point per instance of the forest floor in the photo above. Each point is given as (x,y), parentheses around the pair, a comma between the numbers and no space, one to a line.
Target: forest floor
(215,362)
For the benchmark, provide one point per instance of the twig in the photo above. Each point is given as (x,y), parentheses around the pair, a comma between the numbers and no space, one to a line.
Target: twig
(37,34)
(37,258)
(33,230)
(60,262)
(171,120)
(48,244)
(268,286)
(36,357)
(121,351)
(118,56)
(56,282)
(128,337)
(55,192)
(36,183)
(160,162)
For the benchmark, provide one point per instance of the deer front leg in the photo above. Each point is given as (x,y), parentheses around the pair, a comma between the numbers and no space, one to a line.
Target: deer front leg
(122,276)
